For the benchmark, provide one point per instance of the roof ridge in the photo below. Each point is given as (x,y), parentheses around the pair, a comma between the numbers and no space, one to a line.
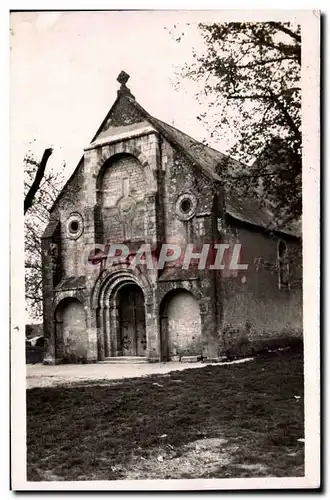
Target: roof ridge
(207,160)
(161,125)
(192,138)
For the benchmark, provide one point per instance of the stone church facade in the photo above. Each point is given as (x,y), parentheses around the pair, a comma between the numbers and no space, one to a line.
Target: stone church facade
(141,181)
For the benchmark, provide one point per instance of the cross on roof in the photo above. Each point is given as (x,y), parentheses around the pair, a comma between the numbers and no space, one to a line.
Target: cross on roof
(122,78)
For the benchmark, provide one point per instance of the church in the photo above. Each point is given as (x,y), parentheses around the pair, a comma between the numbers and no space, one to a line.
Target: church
(143,183)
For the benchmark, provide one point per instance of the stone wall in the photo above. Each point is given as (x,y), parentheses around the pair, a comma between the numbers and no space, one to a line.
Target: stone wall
(71,333)
(183,178)
(122,192)
(184,335)
(140,188)
(255,308)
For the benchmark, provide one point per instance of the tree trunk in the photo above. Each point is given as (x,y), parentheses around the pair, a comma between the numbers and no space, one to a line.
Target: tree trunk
(37,180)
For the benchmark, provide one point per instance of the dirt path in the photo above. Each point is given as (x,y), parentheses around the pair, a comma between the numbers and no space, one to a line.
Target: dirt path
(40,375)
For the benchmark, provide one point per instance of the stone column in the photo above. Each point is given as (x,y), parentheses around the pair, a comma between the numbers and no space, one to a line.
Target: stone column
(151,219)
(114,329)
(92,353)
(209,320)
(152,332)
(48,294)
(101,332)
(100,348)
(106,330)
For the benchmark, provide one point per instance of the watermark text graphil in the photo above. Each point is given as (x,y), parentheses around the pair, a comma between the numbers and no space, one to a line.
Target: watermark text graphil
(215,256)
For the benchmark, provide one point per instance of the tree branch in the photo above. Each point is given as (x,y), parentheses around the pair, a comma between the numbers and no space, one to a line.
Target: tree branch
(287,31)
(34,298)
(256,175)
(267,61)
(289,50)
(287,116)
(253,96)
(37,180)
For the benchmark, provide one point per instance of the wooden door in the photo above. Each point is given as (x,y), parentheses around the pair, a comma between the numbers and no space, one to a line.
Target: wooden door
(132,321)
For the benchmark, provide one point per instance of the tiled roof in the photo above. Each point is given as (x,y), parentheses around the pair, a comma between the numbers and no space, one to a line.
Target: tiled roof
(210,162)
(238,205)
(51,227)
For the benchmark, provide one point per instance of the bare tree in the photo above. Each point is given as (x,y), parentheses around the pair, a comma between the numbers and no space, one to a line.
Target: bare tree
(39,175)
(41,187)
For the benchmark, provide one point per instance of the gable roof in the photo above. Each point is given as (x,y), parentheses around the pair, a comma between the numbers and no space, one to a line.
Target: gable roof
(238,206)
(208,160)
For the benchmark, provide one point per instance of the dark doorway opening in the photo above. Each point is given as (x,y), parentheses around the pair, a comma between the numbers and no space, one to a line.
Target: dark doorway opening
(132,326)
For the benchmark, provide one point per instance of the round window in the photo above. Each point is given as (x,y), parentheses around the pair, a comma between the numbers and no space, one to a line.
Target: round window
(186,205)
(74,226)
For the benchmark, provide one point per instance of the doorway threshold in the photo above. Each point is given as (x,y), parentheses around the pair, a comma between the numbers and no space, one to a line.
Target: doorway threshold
(125,360)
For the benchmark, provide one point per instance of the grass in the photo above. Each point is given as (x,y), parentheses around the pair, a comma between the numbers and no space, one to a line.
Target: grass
(238,420)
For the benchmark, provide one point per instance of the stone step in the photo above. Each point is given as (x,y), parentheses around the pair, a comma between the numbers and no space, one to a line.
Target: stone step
(125,359)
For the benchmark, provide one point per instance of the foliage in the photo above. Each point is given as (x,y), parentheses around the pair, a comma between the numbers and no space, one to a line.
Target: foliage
(249,76)
(35,222)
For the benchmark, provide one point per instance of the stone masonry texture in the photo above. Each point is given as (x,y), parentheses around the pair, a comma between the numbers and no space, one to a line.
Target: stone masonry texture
(134,185)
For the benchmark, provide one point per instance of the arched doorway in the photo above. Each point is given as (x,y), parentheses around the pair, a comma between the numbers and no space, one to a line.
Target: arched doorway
(70,331)
(131,321)
(180,325)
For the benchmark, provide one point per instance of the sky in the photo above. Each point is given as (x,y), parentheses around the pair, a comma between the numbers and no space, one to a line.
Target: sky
(63,78)
(64,67)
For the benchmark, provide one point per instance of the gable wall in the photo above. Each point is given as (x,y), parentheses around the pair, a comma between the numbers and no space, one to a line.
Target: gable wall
(71,202)
(123,174)
(180,177)
(80,196)
(252,308)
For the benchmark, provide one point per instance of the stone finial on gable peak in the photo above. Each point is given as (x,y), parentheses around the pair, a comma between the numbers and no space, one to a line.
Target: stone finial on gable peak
(123,78)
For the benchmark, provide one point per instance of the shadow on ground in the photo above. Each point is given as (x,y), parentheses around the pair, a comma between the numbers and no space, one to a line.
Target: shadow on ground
(239,420)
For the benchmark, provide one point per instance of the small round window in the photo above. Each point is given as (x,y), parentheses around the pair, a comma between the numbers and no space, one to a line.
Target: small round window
(74,226)
(186,206)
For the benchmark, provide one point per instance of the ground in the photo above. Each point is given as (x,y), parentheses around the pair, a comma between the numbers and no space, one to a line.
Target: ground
(241,420)
(39,375)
